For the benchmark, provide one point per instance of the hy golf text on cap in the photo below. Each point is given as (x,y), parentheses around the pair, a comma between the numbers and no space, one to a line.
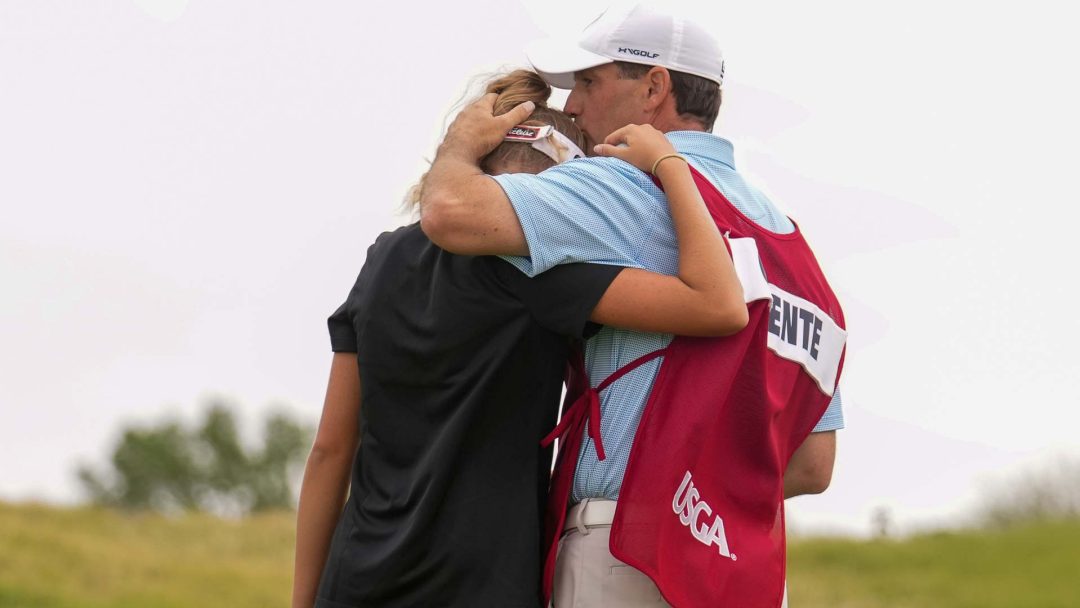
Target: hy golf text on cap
(636,34)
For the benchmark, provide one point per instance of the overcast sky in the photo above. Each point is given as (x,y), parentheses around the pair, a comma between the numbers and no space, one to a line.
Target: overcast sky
(188,188)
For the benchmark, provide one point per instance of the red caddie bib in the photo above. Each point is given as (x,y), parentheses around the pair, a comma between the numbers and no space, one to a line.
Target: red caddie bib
(701,508)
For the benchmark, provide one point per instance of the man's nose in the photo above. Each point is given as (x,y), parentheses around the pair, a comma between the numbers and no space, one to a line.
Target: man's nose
(572,107)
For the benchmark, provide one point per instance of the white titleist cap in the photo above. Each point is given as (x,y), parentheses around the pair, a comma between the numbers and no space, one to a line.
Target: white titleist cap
(637,34)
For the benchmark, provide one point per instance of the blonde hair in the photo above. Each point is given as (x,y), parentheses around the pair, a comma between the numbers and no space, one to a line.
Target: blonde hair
(513,89)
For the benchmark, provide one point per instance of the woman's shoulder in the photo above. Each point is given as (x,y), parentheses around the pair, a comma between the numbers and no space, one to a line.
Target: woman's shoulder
(400,233)
(408,235)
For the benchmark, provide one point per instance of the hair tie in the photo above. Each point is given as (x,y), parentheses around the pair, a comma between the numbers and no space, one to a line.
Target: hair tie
(666,156)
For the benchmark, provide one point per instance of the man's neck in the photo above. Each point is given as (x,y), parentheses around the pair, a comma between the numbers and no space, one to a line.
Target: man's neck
(668,122)
(685,126)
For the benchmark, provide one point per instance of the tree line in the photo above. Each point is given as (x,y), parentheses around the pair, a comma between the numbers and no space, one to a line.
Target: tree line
(170,466)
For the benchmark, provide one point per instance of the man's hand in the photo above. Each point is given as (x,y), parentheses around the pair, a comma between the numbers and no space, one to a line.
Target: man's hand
(477,131)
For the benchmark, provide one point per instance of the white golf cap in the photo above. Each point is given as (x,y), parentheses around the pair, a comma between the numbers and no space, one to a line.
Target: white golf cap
(634,33)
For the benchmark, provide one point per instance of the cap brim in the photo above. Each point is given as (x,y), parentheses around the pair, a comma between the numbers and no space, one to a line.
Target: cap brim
(556,61)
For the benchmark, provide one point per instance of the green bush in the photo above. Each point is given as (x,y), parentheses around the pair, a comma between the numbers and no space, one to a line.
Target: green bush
(169,467)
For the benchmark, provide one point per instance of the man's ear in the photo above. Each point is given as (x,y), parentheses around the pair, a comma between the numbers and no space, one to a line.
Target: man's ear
(659,81)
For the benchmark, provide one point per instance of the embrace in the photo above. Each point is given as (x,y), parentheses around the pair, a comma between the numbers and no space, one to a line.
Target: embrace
(610,248)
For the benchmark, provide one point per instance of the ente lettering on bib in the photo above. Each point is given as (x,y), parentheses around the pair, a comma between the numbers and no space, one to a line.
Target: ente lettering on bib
(797,330)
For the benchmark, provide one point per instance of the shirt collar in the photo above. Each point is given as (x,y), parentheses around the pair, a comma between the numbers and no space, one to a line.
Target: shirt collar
(704,145)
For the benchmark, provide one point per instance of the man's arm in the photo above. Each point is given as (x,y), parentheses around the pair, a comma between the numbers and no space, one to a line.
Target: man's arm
(811,466)
(463,210)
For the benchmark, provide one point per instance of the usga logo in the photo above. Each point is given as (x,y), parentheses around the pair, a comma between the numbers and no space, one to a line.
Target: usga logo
(690,509)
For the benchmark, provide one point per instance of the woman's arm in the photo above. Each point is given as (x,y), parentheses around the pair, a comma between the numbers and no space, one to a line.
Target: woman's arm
(326,478)
(706,298)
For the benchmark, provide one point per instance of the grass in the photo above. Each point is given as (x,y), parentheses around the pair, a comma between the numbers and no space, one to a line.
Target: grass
(91,558)
(1036,565)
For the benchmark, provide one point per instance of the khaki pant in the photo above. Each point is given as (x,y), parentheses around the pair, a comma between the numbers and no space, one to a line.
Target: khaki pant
(587,575)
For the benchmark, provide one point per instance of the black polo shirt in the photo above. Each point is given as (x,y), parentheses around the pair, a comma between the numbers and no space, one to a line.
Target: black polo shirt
(461,364)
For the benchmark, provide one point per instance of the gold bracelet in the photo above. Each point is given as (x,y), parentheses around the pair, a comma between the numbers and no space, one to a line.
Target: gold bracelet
(666,156)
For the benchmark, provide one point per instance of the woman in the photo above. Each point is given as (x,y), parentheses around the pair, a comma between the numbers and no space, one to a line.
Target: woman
(460,365)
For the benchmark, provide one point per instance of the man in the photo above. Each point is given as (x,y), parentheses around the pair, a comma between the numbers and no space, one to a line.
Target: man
(631,65)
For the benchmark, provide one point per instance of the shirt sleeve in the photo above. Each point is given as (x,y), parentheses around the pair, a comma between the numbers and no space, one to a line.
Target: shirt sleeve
(342,324)
(833,418)
(563,298)
(342,333)
(588,210)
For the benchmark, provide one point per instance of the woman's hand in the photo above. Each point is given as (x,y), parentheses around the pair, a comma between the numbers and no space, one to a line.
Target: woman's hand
(644,145)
